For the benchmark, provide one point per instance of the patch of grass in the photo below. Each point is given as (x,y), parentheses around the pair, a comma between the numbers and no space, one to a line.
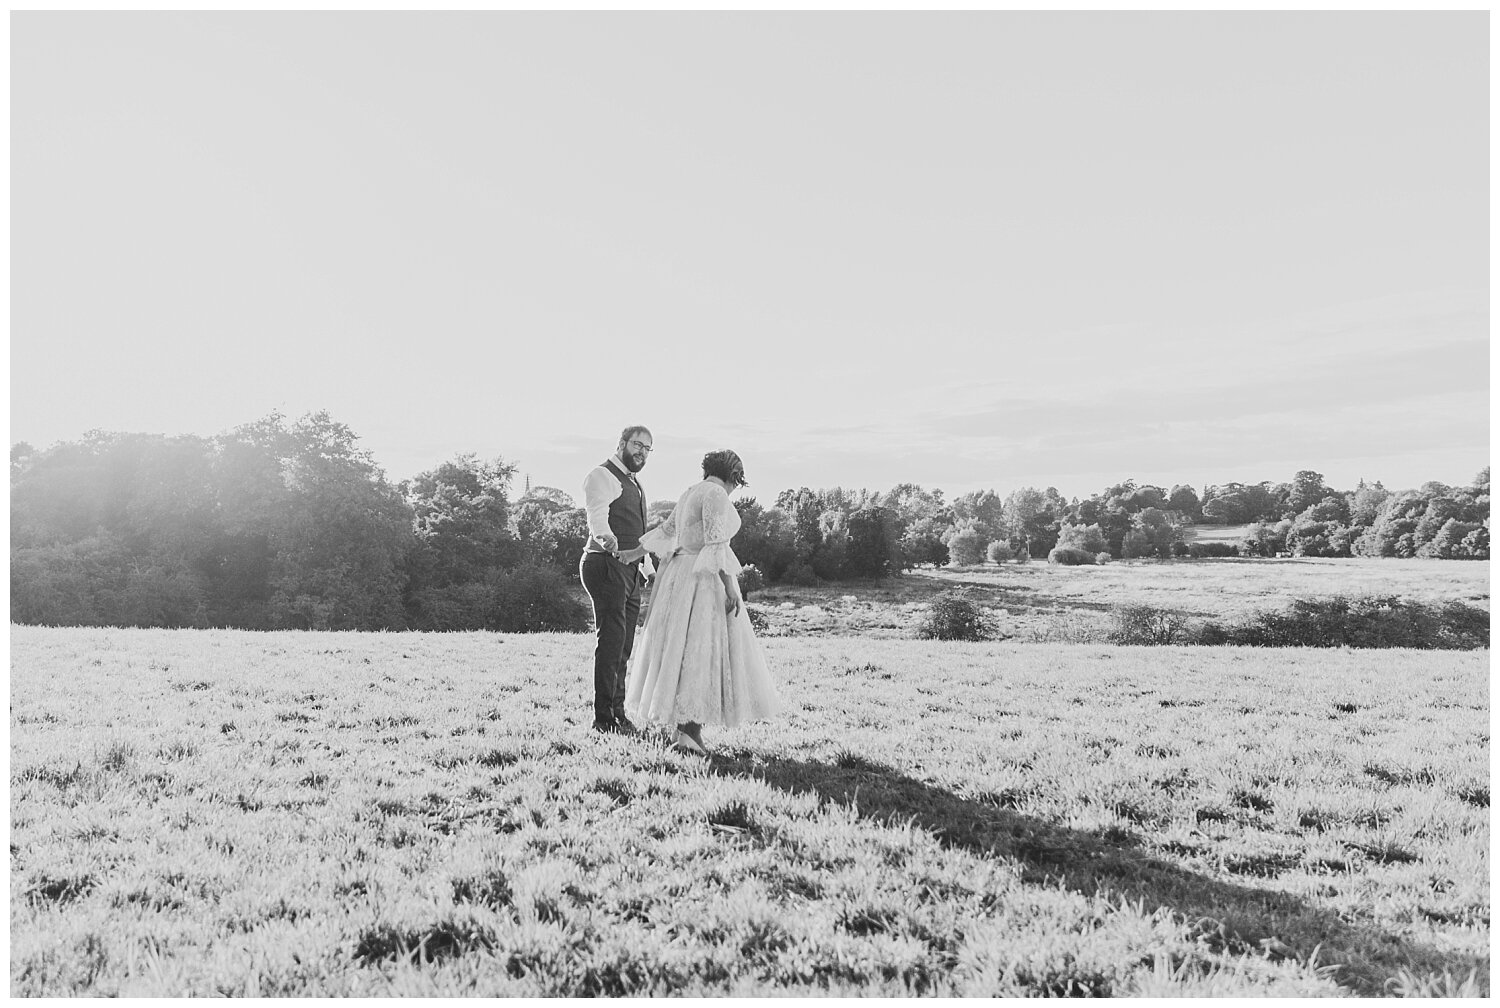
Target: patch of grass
(1477,795)
(1398,776)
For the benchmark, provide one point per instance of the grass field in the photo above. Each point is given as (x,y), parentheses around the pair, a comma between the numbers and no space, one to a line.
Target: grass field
(1214,533)
(217,812)
(1044,601)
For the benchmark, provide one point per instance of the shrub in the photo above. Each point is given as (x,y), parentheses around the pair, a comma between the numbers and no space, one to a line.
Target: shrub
(1070,556)
(1102,558)
(1464,627)
(1367,622)
(1200,551)
(455,607)
(537,599)
(999,551)
(966,548)
(1208,634)
(801,575)
(750,580)
(1144,624)
(954,616)
(1023,555)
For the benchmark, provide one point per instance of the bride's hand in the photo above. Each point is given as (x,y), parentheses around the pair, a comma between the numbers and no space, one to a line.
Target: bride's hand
(631,555)
(732,603)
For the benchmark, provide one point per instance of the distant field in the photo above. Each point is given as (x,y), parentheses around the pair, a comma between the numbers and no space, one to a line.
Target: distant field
(1039,595)
(1214,533)
(229,813)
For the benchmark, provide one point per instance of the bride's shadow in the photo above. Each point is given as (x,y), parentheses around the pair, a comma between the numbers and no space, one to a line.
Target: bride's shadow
(1225,915)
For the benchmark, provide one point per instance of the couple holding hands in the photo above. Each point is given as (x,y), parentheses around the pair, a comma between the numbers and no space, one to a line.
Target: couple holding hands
(698,661)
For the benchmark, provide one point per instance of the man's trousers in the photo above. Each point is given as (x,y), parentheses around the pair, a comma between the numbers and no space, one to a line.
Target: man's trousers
(615,590)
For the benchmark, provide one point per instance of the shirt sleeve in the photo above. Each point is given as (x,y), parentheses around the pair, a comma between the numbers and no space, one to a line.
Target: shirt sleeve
(600,490)
(716,556)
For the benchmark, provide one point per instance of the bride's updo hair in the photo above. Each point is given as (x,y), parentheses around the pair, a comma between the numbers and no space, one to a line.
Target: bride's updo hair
(726,465)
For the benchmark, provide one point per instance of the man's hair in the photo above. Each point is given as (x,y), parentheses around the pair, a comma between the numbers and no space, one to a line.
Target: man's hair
(633,432)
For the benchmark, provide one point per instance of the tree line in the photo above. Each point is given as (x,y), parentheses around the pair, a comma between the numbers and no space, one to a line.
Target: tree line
(282,524)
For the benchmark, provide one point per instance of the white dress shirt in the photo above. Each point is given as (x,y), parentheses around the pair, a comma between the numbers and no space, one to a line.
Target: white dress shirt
(601,488)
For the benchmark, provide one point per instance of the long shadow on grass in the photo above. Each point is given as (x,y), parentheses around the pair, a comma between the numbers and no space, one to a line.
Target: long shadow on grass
(1232,919)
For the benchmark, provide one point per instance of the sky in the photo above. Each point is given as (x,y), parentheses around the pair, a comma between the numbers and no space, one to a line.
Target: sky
(975,250)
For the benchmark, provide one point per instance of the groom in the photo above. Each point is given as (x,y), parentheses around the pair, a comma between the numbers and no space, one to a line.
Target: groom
(616,509)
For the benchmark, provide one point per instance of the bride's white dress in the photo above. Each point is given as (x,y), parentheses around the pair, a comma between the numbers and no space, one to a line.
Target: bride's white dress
(692,661)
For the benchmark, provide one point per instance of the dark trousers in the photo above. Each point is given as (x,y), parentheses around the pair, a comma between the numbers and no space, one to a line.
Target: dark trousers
(615,590)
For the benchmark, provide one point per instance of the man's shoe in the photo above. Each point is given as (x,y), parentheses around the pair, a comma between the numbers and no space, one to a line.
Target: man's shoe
(604,726)
(625,726)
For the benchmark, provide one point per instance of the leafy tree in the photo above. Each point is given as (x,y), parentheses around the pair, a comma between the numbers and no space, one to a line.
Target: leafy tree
(806,511)
(1479,491)
(1184,500)
(1143,497)
(112,531)
(1032,517)
(765,539)
(1089,538)
(1365,503)
(1234,503)
(1135,544)
(551,495)
(1266,539)
(461,519)
(1439,511)
(1306,490)
(922,518)
(548,535)
(923,542)
(983,511)
(21,455)
(1451,542)
(658,512)
(874,549)
(1308,537)
(1388,537)
(1476,545)
(966,548)
(1228,507)
(341,543)
(829,561)
(54,584)
(1160,532)
(999,552)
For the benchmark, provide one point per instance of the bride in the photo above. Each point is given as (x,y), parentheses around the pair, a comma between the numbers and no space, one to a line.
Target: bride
(698,660)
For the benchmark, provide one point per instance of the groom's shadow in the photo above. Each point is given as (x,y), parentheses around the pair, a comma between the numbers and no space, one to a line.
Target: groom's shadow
(1229,918)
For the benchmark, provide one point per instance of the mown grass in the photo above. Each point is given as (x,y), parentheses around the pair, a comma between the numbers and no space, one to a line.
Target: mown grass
(215,812)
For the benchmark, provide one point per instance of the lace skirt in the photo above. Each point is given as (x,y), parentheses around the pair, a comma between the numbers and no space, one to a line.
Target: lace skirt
(692,661)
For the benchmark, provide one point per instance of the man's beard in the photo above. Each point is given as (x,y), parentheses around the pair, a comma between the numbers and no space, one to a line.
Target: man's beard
(631,463)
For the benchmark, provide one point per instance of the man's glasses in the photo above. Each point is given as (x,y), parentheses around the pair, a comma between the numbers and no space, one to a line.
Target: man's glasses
(640,447)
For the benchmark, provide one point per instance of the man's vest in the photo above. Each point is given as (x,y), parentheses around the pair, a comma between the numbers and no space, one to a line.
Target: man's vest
(627,512)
